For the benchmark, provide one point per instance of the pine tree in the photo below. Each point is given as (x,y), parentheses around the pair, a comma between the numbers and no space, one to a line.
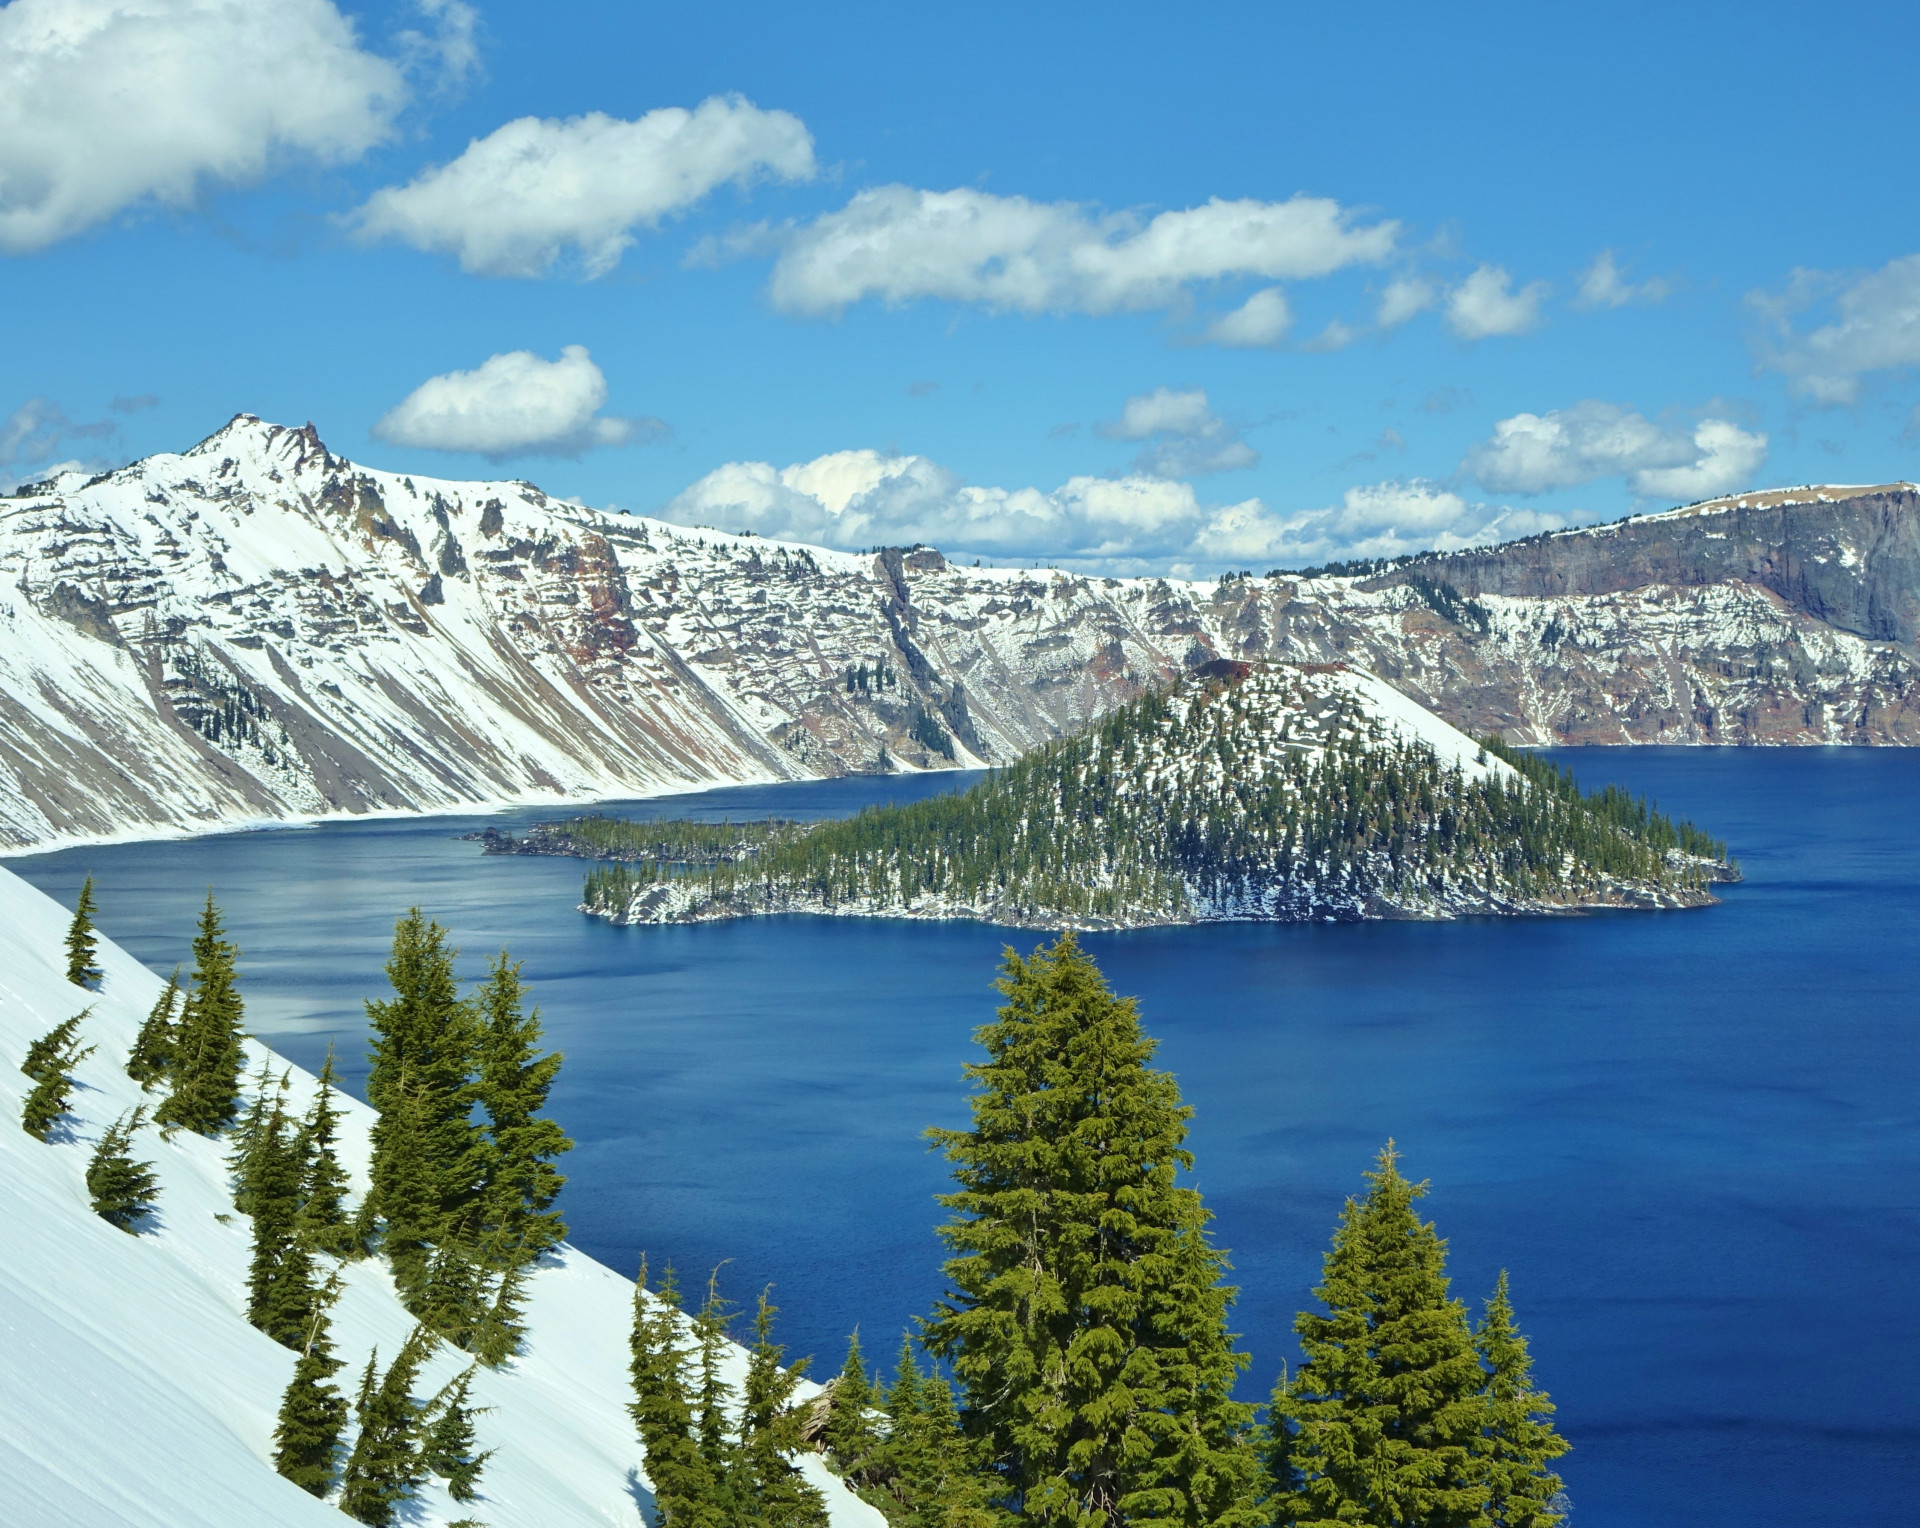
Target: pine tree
(324,1225)
(448,1443)
(387,1464)
(1517,1443)
(772,1493)
(427,1154)
(50,1063)
(712,1424)
(121,1189)
(685,1492)
(208,1053)
(1381,1423)
(497,1334)
(55,1044)
(82,943)
(152,1054)
(1086,1320)
(850,1435)
(521,1183)
(247,1140)
(306,1438)
(280,1276)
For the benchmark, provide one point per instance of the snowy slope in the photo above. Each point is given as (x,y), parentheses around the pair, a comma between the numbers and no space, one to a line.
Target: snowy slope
(133,1393)
(259,629)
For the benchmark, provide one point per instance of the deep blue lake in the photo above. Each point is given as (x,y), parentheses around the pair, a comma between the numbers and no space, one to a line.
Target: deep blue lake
(1693,1138)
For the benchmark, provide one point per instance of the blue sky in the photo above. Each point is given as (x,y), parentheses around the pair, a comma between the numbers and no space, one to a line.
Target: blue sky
(1109,286)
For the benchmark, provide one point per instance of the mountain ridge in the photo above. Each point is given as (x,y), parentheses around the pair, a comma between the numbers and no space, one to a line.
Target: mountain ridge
(260,630)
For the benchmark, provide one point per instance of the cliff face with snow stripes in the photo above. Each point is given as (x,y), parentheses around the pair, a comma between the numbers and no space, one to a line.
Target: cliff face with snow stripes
(261,630)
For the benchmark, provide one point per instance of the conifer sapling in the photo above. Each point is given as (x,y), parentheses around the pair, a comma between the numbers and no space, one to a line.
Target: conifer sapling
(152,1053)
(82,943)
(313,1413)
(121,1189)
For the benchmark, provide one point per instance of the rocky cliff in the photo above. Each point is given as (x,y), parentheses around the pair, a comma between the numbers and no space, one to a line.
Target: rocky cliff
(259,629)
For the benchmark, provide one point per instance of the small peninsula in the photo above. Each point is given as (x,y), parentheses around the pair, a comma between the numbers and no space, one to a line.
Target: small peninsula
(1284,793)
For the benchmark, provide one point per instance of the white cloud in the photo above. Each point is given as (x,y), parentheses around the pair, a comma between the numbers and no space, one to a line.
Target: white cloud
(1875,327)
(1259,323)
(1385,519)
(858,499)
(526,194)
(1405,298)
(1535,453)
(1728,458)
(1483,305)
(898,243)
(514,405)
(1185,437)
(1604,285)
(109,104)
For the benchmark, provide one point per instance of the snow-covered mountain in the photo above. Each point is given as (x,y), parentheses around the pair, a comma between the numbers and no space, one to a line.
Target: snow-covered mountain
(136,1394)
(261,630)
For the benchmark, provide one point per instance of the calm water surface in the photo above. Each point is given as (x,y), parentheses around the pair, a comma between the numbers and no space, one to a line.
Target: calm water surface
(1693,1138)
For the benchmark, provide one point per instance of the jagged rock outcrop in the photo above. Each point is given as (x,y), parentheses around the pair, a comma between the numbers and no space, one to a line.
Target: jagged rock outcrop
(259,629)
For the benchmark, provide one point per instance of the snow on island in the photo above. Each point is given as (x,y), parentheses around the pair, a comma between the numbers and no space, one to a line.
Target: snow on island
(1292,793)
(136,1394)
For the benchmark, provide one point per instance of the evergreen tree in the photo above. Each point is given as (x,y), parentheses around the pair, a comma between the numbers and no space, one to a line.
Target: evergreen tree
(50,1063)
(208,1053)
(280,1278)
(850,1435)
(924,1473)
(306,1438)
(427,1154)
(56,1045)
(82,943)
(449,1441)
(711,1424)
(1382,1422)
(324,1225)
(152,1053)
(772,1492)
(685,1491)
(1517,1443)
(497,1334)
(521,1183)
(388,1463)
(121,1189)
(247,1140)
(1086,1320)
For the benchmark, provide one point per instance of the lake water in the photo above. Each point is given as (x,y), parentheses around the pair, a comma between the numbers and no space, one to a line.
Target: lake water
(1693,1138)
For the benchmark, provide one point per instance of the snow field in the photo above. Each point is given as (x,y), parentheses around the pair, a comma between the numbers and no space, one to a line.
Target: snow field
(133,1391)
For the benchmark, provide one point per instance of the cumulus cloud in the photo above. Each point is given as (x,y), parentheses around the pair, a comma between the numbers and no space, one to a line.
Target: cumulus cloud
(1405,298)
(1535,453)
(514,405)
(1131,524)
(1484,305)
(111,104)
(1874,326)
(530,192)
(899,243)
(1184,437)
(856,499)
(1604,285)
(1259,323)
